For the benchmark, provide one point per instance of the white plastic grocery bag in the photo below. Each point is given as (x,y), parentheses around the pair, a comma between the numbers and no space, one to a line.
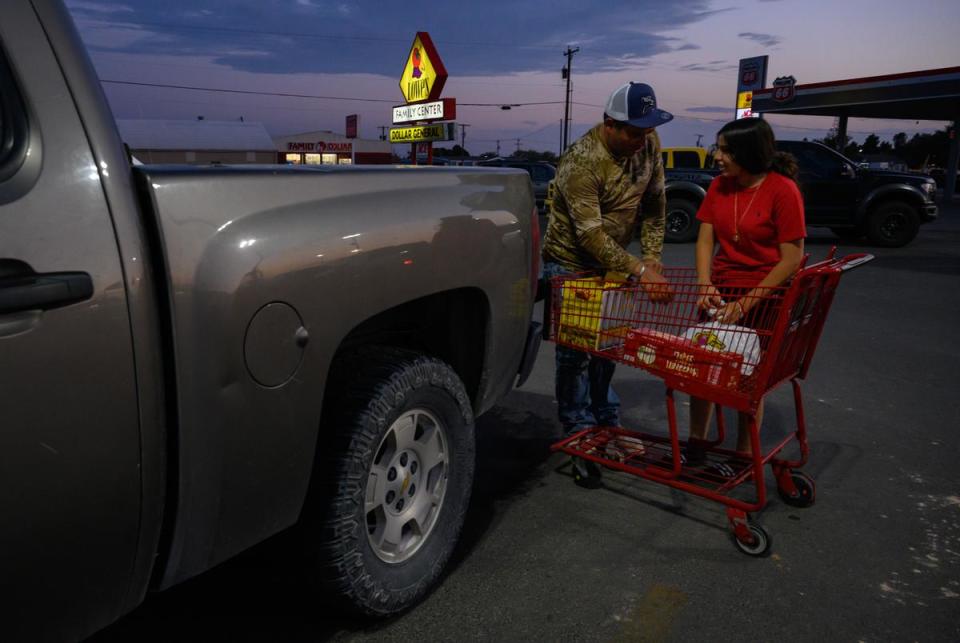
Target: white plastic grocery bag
(728,338)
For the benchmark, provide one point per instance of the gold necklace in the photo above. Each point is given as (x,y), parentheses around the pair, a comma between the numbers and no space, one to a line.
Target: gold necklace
(736,218)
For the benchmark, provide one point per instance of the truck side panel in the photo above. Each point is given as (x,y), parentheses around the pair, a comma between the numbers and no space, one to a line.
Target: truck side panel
(69,441)
(254,255)
(138,264)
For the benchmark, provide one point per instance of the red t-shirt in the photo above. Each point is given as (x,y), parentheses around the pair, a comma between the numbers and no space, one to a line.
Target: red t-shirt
(767,215)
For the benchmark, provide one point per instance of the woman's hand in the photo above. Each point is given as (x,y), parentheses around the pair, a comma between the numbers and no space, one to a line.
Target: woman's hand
(709,298)
(730,313)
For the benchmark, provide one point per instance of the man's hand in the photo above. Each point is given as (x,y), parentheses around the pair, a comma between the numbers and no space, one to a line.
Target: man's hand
(653,264)
(653,283)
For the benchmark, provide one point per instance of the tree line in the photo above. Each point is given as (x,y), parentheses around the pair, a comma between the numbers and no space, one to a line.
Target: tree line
(920,151)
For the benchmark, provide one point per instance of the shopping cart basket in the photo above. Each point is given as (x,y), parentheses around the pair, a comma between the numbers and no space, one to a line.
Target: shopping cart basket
(729,366)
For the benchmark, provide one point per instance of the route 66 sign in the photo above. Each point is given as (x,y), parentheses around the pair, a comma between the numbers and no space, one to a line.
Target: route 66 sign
(784,89)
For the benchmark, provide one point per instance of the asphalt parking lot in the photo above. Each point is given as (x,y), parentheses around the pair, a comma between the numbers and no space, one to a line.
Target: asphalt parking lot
(877,558)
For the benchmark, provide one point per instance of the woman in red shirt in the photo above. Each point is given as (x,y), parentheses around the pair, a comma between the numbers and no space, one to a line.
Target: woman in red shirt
(753,217)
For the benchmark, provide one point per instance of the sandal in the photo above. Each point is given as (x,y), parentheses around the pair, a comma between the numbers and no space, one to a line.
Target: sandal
(727,469)
(690,456)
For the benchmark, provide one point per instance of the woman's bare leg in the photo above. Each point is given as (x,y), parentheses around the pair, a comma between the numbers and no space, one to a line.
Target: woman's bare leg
(701,412)
(743,428)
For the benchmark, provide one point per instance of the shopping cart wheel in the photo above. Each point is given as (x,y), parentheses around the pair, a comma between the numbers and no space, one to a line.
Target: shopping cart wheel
(803,493)
(755,542)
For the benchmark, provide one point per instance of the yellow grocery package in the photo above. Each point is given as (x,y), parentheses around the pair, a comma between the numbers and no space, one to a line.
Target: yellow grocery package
(596,312)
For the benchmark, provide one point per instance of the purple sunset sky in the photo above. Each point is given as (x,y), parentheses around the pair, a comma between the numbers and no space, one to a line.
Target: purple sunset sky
(501,51)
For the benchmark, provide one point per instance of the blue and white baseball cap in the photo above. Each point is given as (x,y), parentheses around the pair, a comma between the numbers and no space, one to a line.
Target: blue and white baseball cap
(636,104)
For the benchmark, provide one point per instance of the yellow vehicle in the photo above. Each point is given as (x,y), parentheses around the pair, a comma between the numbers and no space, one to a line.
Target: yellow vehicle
(685,157)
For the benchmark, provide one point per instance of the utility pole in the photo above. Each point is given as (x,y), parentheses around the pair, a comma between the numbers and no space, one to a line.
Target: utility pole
(383,132)
(565,73)
(498,147)
(699,136)
(463,135)
(518,147)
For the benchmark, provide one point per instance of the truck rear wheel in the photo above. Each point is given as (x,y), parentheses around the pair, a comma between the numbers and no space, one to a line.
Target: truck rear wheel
(394,479)
(893,224)
(681,221)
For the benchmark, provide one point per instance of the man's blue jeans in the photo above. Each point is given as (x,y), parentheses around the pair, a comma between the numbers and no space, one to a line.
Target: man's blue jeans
(584,395)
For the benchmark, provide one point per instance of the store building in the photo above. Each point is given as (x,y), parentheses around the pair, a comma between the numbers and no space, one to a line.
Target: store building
(199,142)
(328,148)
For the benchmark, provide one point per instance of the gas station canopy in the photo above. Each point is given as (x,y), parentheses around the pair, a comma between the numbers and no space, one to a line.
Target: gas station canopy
(933,94)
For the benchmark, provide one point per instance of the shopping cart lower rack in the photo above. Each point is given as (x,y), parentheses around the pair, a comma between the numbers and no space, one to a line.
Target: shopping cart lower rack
(728,366)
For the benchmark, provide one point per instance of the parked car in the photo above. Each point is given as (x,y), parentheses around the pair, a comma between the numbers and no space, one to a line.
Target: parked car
(193,359)
(887,207)
(541,174)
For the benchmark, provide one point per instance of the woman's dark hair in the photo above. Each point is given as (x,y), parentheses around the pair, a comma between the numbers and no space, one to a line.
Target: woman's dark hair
(751,143)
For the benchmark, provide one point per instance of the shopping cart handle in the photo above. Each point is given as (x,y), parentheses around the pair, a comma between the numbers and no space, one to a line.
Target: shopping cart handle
(849,262)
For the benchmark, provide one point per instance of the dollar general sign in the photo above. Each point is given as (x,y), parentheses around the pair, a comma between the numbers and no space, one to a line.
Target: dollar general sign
(424,74)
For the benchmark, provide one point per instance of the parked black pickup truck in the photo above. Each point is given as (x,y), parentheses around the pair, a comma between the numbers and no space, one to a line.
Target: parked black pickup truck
(886,207)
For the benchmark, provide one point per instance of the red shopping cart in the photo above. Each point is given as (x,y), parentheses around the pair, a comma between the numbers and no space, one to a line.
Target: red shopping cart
(731,366)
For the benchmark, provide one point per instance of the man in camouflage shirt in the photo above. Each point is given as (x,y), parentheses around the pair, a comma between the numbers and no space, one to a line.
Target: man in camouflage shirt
(606,181)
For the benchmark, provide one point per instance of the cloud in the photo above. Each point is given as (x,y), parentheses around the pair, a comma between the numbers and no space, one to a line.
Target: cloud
(765,39)
(710,109)
(96,7)
(496,37)
(713,65)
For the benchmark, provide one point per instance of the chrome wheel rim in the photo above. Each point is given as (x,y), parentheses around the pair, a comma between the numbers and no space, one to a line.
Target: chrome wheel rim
(406,485)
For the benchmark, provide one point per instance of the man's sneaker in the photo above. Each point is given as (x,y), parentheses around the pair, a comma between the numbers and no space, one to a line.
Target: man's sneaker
(586,474)
(624,447)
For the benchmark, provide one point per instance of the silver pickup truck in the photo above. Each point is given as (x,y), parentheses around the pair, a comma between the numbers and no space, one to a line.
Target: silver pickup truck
(194,359)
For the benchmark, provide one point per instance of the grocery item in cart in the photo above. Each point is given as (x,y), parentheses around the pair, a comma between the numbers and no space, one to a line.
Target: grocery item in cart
(595,312)
(667,354)
(717,336)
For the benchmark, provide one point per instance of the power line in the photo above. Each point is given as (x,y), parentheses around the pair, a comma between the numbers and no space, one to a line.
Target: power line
(293,95)
(501,105)
(244,91)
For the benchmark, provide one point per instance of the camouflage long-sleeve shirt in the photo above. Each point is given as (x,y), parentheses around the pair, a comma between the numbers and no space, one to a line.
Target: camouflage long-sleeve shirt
(597,201)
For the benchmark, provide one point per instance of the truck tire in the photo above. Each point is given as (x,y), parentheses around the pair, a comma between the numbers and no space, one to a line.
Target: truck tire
(681,225)
(893,224)
(394,479)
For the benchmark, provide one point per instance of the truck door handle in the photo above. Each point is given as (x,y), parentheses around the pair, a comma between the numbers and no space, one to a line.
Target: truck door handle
(43,291)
